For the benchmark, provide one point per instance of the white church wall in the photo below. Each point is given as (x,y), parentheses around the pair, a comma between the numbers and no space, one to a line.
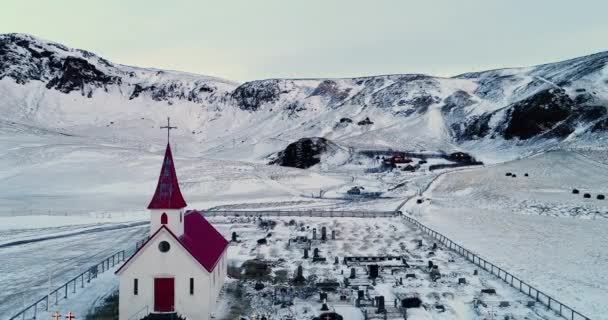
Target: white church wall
(175,219)
(177,263)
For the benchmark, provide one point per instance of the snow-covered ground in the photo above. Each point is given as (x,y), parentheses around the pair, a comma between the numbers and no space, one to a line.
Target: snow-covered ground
(25,268)
(364,237)
(532,226)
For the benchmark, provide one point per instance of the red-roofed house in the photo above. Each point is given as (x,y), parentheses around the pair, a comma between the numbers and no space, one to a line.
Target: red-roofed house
(182,266)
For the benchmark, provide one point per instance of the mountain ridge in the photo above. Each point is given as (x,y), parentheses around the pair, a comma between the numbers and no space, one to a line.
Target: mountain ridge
(555,103)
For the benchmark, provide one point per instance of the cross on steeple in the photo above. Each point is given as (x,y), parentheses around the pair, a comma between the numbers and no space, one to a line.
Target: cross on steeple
(168,127)
(70,316)
(56,315)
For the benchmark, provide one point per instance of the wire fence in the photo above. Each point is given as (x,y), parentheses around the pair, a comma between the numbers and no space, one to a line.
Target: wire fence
(301,213)
(538,296)
(69,288)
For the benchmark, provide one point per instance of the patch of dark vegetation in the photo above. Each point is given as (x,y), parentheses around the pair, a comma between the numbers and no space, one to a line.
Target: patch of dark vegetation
(108,310)
(256,269)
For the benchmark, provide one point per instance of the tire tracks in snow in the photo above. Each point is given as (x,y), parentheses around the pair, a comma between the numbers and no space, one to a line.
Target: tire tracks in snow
(72,234)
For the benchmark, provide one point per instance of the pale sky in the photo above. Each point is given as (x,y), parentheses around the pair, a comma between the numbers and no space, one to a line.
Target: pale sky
(257,39)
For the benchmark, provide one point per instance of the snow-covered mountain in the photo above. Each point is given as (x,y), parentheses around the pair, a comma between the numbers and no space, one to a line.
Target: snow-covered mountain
(49,86)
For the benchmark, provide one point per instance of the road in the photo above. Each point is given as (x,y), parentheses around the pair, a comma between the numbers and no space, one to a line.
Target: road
(24,271)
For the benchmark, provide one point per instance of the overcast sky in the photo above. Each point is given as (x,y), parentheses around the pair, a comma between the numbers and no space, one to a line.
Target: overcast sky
(249,39)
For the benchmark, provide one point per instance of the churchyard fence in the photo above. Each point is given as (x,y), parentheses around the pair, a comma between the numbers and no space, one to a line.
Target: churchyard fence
(69,288)
(300,213)
(538,296)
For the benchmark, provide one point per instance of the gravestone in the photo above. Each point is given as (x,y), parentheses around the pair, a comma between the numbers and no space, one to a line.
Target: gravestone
(314,233)
(430,264)
(373,271)
(462,281)
(299,275)
(333,234)
(410,276)
(234,237)
(305,253)
(323,296)
(488,291)
(419,243)
(323,234)
(336,260)
(475,272)
(324,307)
(413,302)
(434,246)
(435,275)
(360,294)
(315,253)
(380,304)
(353,273)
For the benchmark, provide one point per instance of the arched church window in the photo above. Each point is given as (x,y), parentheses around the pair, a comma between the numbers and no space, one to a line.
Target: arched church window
(164,219)
(164,246)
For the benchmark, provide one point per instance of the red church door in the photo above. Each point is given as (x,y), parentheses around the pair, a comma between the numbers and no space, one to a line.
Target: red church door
(164,294)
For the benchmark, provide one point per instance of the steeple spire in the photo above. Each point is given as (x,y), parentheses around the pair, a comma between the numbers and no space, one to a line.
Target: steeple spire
(167,194)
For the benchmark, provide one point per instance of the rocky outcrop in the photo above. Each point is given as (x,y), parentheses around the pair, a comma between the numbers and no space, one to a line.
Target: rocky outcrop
(252,95)
(538,114)
(303,153)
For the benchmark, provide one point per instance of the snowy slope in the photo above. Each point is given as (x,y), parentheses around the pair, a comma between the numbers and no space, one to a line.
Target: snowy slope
(47,85)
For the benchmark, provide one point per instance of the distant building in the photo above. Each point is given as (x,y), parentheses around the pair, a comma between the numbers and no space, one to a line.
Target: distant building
(181,268)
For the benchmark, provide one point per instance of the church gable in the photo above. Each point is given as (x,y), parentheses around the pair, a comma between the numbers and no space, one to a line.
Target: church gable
(165,252)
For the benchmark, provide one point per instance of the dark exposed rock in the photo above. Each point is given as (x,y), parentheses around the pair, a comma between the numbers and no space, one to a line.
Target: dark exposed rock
(303,153)
(538,114)
(457,100)
(252,95)
(365,122)
(601,125)
(330,89)
(77,72)
(478,127)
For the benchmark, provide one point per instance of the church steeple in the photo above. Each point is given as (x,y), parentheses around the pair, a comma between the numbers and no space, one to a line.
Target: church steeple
(167,195)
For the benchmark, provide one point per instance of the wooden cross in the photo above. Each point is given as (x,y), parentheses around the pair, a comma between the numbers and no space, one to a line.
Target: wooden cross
(70,316)
(168,127)
(327,317)
(56,315)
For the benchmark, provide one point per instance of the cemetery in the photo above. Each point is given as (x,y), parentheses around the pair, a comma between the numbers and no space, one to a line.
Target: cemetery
(352,268)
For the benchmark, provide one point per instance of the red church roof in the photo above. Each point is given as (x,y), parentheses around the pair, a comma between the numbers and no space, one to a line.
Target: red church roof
(202,240)
(167,195)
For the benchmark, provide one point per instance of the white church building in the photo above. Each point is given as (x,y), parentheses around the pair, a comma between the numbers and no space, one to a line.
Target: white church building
(181,268)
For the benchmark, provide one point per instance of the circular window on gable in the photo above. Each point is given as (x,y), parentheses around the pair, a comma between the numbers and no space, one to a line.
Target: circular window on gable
(164,246)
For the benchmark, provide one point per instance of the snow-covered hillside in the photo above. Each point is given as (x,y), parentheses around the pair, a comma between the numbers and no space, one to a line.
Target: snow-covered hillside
(47,85)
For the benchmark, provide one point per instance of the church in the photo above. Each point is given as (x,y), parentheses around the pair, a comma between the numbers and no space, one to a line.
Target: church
(181,268)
